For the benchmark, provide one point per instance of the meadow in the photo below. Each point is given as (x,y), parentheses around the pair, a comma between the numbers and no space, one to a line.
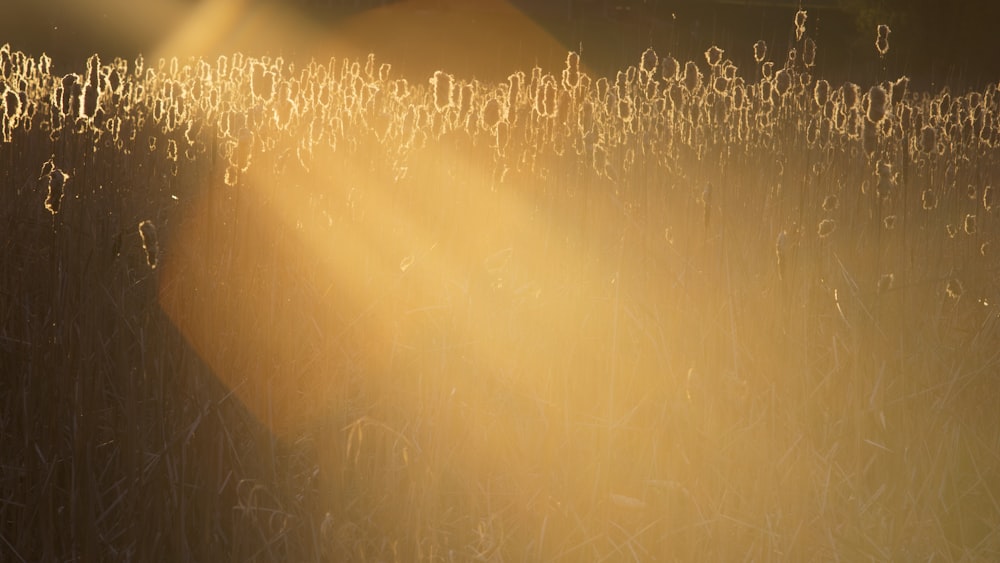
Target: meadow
(254,310)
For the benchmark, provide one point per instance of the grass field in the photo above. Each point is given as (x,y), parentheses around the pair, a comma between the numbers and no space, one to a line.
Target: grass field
(253,310)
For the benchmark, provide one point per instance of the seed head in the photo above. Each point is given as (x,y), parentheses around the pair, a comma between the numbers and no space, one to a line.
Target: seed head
(969,224)
(826,227)
(442,83)
(57,189)
(692,76)
(851,95)
(877,101)
(882,39)
(954,288)
(928,199)
(809,52)
(800,24)
(821,92)
(649,62)
(571,74)
(782,82)
(759,51)
(899,88)
(491,114)
(831,202)
(928,139)
(150,244)
(714,55)
(670,68)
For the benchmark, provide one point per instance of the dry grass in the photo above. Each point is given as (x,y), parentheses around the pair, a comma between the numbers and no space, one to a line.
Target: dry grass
(257,312)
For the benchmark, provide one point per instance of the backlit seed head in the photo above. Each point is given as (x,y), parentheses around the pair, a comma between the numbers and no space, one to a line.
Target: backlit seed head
(899,88)
(882,39)
(649,62)
(150,244)
(800,24)
(809,52)
(57,189)
(852,93)
(491,113)
(831,202)
(443,85)
(928,139)
(670,68)
(889,222)
(767,70)
(954,288)
(877,102)
(928,199)
(782,82)
(988,198)
(969,224)
(759,51)
(692,76)
(826,227)
(821,92)
(714,55)
(720,85)
(571,74)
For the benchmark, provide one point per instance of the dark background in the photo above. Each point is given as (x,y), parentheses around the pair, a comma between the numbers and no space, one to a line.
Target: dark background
(936,43)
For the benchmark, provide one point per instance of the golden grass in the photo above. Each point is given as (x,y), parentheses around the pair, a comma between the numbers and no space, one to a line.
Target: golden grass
(701,315)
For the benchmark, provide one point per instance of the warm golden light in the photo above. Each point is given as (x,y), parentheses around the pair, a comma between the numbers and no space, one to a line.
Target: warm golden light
(422,285)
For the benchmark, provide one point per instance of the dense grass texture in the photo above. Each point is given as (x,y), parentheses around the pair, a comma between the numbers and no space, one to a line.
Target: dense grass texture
(254,311)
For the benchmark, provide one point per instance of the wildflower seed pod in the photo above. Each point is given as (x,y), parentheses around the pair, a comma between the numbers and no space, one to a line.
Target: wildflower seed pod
(809,52)
(821,92)
(648,62)
(954,288)
(759,51)
(670,68)
(800,24)
(442,84)
(57,189)
(899,88)
(851,93)
(826,227)
(928,139)
(491,114)
(571,74)
(928,199)
(692,76)
(714,55)
(882,39)
(878,99)
(969,224)
(782,82)
(830,203)
(150,244)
